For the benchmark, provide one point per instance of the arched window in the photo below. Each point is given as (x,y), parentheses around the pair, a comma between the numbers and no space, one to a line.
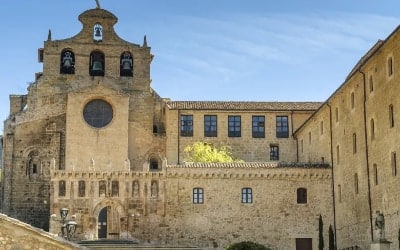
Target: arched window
(356,183)
(394,163)
(97,32)
(391,116)
(67,62)
(339,193)
(337,114)
(337,154)
(390,66)
(322,127)
(126,64)
(301,195)
(96,65)
(352,100)
(372,127)
(371,84)
(375,170)
(33,166)
(354,143)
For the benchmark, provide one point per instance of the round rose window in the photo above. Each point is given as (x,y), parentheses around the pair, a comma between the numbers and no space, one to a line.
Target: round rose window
(98,113)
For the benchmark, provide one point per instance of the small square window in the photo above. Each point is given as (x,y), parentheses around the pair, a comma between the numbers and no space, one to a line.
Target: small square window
(247,195)
(274,152)
(282,127)
(186,125)
(301,195)
(198,195)
(258,126)
(210,126)
(234,126)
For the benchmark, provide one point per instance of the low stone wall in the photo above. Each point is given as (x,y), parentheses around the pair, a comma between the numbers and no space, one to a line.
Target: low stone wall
(16,235)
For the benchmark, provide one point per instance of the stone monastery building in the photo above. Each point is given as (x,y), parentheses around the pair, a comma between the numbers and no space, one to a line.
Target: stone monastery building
(91,135)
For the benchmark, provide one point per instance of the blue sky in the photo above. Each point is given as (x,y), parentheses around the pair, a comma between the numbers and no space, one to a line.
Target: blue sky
(255,50)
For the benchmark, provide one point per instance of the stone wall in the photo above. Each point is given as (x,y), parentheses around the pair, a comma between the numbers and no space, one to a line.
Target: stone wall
(245,147)
(17,235)
(364,116)
(166,214)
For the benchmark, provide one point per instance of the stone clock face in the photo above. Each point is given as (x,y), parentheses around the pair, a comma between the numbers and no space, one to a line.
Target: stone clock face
(98,113)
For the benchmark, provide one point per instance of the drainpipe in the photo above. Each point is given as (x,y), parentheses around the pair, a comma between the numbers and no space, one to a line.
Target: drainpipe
(366,153)
(332,173)
(179,134)
(297,141)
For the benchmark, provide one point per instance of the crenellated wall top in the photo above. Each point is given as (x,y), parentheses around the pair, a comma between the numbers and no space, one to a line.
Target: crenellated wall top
(259,170)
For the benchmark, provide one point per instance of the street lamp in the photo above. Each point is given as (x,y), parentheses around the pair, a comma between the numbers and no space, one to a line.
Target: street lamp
(68,226)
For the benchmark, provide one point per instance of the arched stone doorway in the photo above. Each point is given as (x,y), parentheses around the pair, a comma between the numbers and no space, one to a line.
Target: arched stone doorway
(109,214)
(102,224)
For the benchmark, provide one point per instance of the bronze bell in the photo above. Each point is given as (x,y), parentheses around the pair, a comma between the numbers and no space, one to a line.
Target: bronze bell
(97,33)
(126,64)
(97,66)
(67,62)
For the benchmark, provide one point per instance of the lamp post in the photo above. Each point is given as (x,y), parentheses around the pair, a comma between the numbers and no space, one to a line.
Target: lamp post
(68,226)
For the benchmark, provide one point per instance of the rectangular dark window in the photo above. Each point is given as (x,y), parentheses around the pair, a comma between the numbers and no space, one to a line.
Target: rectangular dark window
(274,152)
(198,195)
(234,129)
(303,243)
(115,188)
(81,188)
(102,188)
(186,125)
(210,126)
(282,127)
(301,195)
(247,195)
(61,188)
(258,127)
(153,164)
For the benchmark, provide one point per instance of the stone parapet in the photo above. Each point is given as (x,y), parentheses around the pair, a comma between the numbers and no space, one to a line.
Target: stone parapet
(15,234)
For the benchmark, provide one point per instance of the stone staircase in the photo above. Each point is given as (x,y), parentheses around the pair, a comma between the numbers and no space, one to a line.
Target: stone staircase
(125,244)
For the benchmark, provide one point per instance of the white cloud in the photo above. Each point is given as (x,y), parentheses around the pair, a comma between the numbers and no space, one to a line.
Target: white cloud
(233,51)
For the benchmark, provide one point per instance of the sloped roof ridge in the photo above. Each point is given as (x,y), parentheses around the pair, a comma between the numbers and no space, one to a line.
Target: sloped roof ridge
(242,105)
(365,58)
(250,165)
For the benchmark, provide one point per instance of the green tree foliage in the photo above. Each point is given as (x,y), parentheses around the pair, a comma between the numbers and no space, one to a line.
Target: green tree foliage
(205,152)
(247,245)
(320,233)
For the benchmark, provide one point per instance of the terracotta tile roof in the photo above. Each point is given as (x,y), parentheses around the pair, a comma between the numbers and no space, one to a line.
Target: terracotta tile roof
(250,165)
(222,105)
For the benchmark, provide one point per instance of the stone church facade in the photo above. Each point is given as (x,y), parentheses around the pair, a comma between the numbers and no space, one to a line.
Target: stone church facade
(91,135)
